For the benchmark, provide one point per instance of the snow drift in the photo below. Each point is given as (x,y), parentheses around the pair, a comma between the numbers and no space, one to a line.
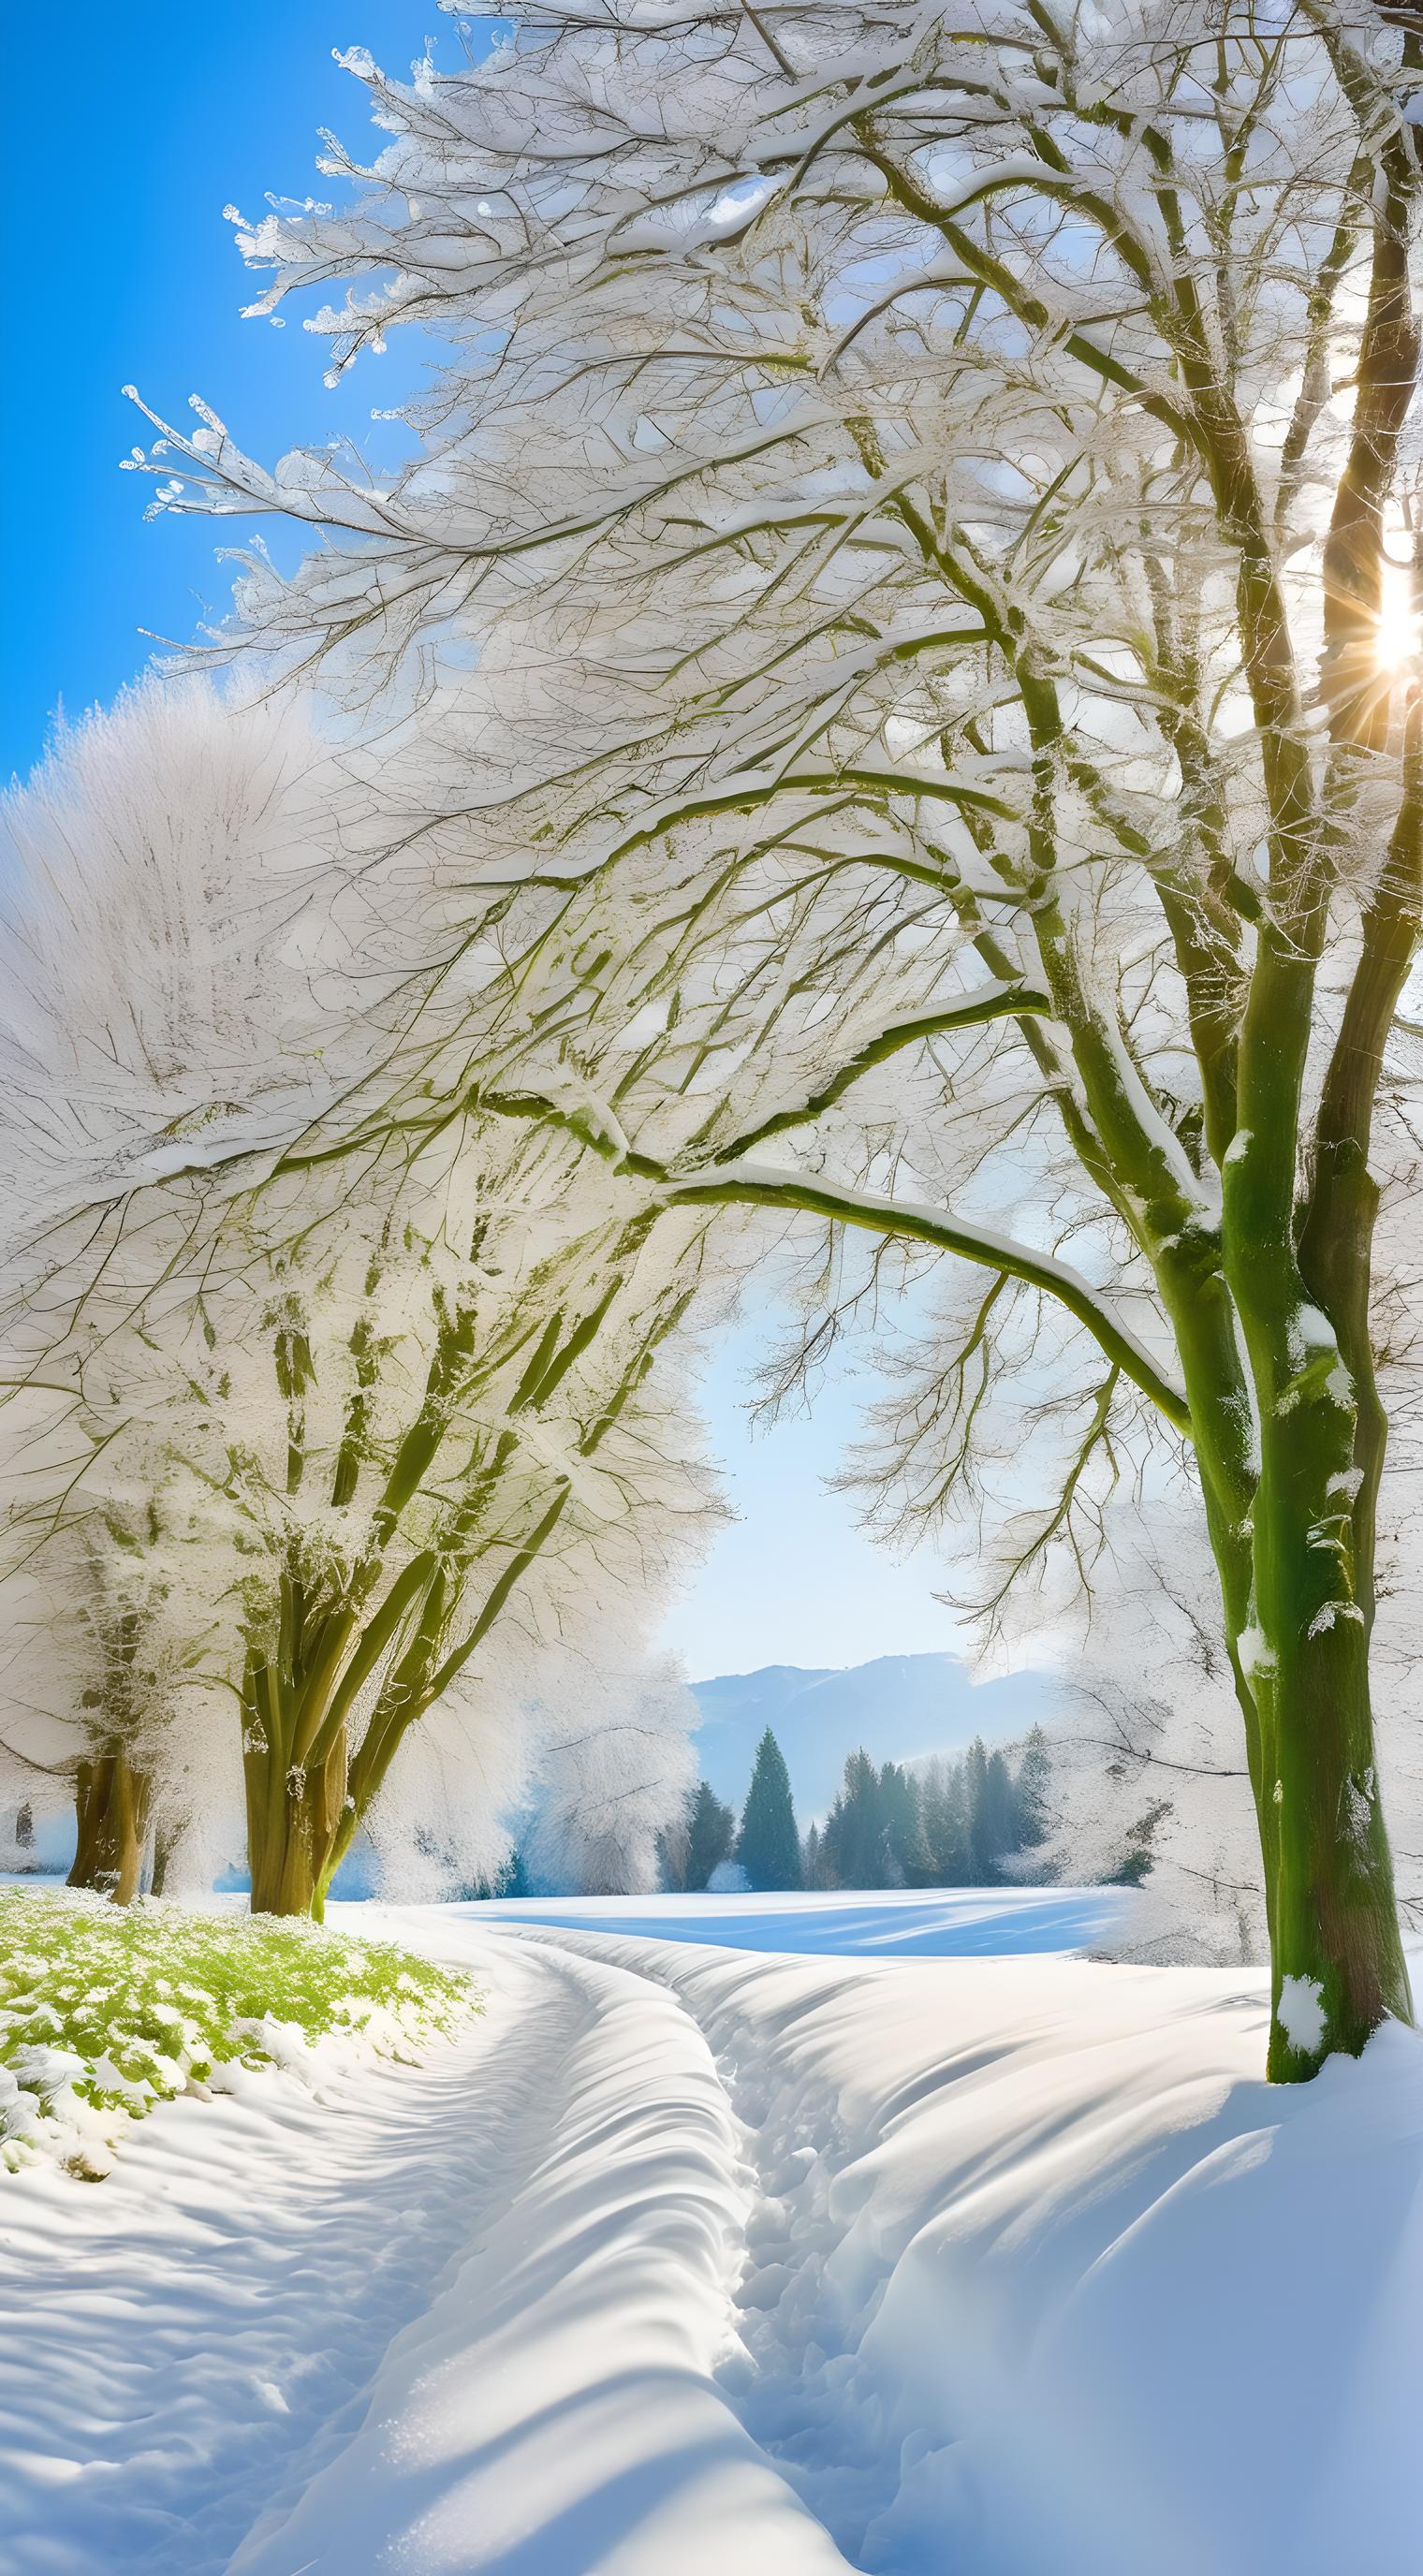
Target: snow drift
(688,2257)
(1044,2281)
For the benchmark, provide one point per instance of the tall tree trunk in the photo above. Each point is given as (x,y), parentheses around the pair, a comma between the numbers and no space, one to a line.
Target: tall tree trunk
(367,1775)
(1338,1962)
(112,1802)
(1336,1950)
(403,1700)
(293,1819)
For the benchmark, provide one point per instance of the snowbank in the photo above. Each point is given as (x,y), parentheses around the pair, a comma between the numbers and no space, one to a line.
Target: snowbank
(1044,2281)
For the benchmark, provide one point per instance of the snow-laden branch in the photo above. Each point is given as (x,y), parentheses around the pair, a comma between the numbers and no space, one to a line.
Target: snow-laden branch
(747,1184)
(751,1185)
(992,1002)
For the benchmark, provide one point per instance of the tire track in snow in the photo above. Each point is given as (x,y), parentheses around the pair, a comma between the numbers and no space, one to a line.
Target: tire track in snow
(799,2383)
(557,2411)
(793,2370)
(480,2155)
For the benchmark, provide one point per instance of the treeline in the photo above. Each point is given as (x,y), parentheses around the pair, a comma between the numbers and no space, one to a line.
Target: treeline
(949,1824)
(766,1845)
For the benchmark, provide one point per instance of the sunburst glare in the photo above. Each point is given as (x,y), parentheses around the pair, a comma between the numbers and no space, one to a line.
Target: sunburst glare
(1398,636)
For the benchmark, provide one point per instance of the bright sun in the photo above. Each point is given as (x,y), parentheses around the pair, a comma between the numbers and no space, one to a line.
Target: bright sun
(1398,638)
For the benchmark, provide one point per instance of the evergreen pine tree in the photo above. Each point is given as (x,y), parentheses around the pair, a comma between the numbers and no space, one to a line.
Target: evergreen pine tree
(768,1845)
(832,1842)
(812,1859)
(934,1818)
(899,1828)
(945,1825)
(975,1791)
(710,1834)
(918,1863)
(854,1832)
(1034,1788)
(995,1818)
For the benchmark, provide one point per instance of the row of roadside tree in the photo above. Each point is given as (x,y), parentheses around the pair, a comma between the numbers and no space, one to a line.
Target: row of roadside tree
(865,701)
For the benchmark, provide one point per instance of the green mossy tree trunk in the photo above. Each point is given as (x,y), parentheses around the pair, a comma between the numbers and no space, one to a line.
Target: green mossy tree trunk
(293,1815)
(1338,1968)
(112,1803)
(1337,1960)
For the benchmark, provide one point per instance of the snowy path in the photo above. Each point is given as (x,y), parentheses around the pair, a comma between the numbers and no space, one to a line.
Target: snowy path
(460,2318)
(557,2410)
(688,2259)
(223,2300)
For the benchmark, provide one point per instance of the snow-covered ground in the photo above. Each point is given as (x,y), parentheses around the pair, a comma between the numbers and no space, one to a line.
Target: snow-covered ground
(942,1923)
(688,2258)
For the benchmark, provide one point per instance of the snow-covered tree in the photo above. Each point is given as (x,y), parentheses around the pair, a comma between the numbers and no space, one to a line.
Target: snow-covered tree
(1033,1791)
(118,1584)
(158,990)
(614,1769)
(1148,1785)
(299,1448)
(516,1440)
(930,504)
(383,1438)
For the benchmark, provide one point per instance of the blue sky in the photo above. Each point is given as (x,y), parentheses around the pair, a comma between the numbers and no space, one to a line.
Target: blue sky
(140,128)
(793,1581)
(119,269)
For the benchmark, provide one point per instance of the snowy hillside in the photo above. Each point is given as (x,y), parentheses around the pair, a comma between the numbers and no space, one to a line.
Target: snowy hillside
(900,1707)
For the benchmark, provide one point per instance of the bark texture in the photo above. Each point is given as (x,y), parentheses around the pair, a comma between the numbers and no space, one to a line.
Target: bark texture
(293,1816)
(112,1804)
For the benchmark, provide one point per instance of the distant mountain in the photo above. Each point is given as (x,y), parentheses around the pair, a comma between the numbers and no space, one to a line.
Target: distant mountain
(901,1708)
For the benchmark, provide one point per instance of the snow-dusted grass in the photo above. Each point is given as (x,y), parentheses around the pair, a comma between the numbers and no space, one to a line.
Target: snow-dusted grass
(106,2012)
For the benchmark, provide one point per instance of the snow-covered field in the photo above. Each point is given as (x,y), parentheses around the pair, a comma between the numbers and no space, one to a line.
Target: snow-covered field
(945,1923)
(688,2257)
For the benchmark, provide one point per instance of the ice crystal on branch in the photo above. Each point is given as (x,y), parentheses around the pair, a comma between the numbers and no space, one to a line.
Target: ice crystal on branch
(898,581)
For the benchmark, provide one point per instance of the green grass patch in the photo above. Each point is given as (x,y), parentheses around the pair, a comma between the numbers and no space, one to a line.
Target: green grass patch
(106,2012)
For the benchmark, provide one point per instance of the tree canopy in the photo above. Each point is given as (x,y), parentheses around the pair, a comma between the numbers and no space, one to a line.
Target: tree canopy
(892,670)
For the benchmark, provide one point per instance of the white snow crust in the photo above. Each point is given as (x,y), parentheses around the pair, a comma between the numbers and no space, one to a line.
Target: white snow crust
(691,2257)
